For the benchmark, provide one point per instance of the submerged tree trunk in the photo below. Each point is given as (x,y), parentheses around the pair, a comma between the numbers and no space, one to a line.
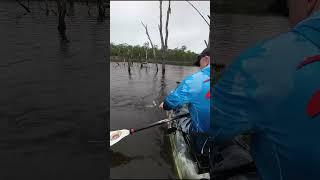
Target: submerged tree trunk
(146,54)
(101,9)
(128,61)
(163,57)
(129,68)
(62,5)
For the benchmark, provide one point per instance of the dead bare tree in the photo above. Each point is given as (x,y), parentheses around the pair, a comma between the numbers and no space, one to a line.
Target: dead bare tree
(47,7)
(62,10)
(164,42)
(87,3)
(128,61)
(152,46)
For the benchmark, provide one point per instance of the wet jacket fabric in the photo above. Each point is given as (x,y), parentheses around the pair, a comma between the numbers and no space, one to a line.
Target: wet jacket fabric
(194,91)
(272,91)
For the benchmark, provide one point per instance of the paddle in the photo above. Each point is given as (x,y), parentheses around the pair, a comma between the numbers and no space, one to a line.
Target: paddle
(116,136)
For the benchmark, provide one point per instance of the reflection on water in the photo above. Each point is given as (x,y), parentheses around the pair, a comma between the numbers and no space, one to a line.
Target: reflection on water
(119,159)
(53,94)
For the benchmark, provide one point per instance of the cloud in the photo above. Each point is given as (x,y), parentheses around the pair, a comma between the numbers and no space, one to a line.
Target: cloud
(186,27)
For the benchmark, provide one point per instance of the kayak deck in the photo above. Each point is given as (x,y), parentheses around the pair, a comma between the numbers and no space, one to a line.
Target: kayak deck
(185,164)
(189,166)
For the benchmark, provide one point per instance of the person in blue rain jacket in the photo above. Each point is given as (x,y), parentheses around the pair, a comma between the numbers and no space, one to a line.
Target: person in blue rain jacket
(272,91)
(194,91)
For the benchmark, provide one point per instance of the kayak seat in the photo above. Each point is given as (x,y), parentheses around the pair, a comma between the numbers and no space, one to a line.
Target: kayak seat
(236,161)
(229,160)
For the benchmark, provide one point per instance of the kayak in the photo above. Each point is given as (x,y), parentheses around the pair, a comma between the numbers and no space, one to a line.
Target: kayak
(188,166)
(185,165)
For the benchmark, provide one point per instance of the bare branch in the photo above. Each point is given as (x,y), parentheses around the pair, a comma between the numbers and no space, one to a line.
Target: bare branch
(54,12)
(198,12)
(41,6)
(146,28)
(25,7)
(206,43)
(46,9)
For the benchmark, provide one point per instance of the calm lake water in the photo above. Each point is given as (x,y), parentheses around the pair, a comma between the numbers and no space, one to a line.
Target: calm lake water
(54,94)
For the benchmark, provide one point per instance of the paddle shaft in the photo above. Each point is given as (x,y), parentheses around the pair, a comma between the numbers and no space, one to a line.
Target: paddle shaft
(132,130)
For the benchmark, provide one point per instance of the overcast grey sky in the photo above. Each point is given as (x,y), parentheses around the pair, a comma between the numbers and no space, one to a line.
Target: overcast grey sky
(186,27)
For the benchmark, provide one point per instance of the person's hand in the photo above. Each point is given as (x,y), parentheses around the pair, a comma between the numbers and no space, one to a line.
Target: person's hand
(161,105)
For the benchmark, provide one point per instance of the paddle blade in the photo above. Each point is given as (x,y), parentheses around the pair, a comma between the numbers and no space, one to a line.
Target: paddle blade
(116,136)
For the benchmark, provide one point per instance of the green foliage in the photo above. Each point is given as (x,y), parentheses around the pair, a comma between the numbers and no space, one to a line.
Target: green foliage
(138,53)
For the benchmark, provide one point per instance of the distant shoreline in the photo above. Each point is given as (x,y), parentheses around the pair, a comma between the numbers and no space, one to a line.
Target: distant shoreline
(179,63)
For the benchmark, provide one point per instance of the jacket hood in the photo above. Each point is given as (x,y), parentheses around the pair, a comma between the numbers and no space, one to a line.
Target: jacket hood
(310,28)
(206,70)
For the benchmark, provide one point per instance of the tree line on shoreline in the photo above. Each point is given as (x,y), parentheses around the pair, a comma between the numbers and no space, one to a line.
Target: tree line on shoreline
(138,53)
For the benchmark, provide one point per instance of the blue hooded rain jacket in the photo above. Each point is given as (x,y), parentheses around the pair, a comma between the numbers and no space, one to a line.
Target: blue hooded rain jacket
(272,91)
(194,91)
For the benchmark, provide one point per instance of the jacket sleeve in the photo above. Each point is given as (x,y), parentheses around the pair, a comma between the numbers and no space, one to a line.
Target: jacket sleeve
(233,108)
(179,96)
